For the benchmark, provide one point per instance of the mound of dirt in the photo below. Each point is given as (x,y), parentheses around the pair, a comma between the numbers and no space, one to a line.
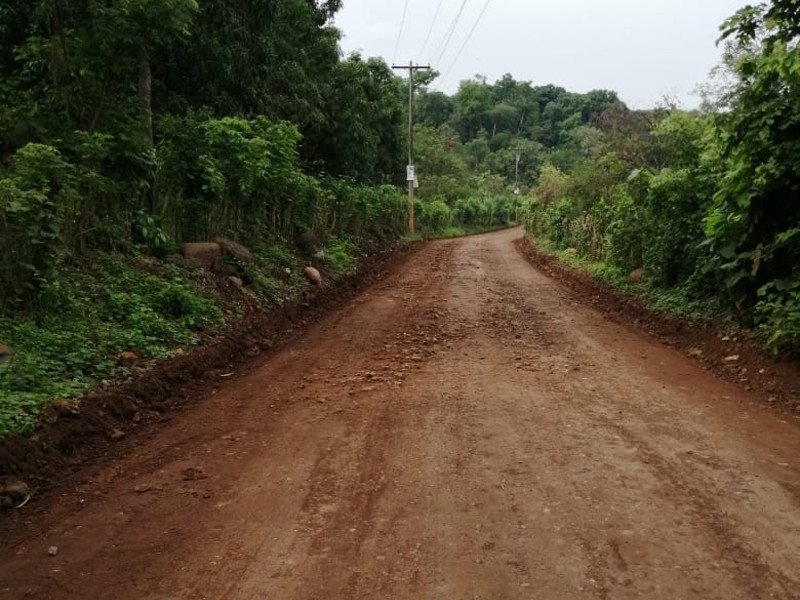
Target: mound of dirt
(735,355)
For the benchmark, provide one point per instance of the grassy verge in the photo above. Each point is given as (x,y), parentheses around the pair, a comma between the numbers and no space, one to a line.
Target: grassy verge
(679,301)
(75,338)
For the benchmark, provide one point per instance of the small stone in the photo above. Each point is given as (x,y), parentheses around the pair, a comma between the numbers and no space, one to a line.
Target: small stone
(696,353)
(636,276)
(15,490)
(236,282)
(52,550)
(129,359)
(734,358)
(143,488)
(118,434)
(194,474)
(313,275)
(64,406)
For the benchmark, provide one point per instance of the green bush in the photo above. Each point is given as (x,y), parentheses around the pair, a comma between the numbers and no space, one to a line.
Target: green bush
(340,256)
(232,175)
(31,198)
(89,319)
(434,215)
(778,314)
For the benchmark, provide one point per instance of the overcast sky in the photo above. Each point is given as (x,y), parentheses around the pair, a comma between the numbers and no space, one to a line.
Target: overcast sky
(643,49)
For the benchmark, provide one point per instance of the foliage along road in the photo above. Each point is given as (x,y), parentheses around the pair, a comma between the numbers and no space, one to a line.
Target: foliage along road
(463,429)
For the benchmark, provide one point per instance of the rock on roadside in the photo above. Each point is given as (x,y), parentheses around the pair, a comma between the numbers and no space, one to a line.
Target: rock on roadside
(313,275)
(129,359)
(202,255)
(235,249)
(13,492)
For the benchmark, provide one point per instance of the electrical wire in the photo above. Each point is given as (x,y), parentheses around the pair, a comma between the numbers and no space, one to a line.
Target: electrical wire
(430,29)
(449,36)
(400,33)
(466,41)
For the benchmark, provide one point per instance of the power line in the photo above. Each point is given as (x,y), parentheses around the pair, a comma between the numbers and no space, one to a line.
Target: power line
(400,33)
(433,24)
(449,35)
(446,41)
(466,41)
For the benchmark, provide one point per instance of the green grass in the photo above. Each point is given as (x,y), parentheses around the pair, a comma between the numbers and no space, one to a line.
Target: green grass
(340,256)
(679,301)
(73,339)
(410,238)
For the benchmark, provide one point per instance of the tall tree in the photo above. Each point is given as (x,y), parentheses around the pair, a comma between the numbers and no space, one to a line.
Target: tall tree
(755,221)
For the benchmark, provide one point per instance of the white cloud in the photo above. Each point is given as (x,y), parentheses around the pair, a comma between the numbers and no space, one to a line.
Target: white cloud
(643,49)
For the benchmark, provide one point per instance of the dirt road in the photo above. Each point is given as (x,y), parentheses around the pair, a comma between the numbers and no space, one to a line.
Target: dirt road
(464,429)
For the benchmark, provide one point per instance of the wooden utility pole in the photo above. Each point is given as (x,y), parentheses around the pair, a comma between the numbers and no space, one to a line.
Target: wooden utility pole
(516,186)
(410,172)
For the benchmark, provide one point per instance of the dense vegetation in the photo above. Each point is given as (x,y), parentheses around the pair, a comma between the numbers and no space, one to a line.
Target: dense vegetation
(702,205)
(479,147)
(130,126)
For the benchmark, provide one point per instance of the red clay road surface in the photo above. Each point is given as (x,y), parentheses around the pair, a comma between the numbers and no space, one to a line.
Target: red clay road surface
(464,429)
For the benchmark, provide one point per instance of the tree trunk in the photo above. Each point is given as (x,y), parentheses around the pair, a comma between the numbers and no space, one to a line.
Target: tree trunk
(59,46)
(146,92)
(146,104)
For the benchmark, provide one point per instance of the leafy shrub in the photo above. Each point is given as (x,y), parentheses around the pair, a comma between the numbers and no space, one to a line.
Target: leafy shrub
(340,256)
(90,319)
(778,314)
(30,220)
(232,175)
(434,215)
(675,205)
(149,230)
